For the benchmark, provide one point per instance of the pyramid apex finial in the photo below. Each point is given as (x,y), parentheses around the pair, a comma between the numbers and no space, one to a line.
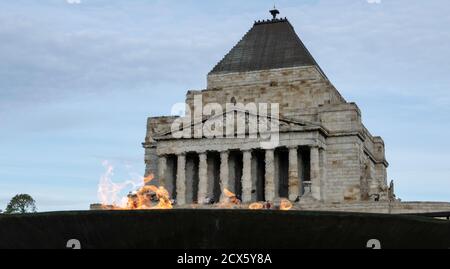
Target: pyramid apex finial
(274,12)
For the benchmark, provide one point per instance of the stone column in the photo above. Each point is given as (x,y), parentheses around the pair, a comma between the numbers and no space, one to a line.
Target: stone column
(247,177)
(294,182)
(301,174)
(224,173)
(162,169)
(181,179)
(315,173)
(203,178)
(323,172)
(270,175)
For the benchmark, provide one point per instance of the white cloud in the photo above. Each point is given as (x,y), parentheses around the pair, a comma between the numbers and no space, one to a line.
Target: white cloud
(73,2)
(374,1)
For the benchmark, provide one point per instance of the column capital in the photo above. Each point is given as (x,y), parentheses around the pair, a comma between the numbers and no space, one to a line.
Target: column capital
(293,147)
(318,145)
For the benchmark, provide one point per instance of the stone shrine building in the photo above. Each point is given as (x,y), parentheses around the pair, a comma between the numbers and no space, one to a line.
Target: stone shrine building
(323,152)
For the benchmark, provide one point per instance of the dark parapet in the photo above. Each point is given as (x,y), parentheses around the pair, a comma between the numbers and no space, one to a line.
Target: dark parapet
(224,229)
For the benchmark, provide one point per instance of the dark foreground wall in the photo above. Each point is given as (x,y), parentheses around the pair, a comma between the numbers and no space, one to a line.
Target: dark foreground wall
(188,229)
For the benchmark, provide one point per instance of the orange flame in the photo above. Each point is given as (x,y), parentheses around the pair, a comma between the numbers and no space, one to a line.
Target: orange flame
(285,205)
(228,193)
(256,206)
(144,198)
(231,197)
(148,179)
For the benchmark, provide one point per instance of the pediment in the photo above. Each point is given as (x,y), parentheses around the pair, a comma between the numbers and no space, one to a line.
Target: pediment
(282,125)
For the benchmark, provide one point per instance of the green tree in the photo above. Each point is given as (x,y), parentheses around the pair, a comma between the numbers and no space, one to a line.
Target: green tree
(21,204)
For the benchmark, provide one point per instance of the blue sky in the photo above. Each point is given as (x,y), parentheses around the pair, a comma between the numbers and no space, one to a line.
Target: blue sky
(79,78)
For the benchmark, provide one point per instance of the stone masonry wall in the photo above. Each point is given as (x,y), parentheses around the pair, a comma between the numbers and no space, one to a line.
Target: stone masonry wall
(155,125)
(378,207)
(342,182)
(341,118)
(295,89)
